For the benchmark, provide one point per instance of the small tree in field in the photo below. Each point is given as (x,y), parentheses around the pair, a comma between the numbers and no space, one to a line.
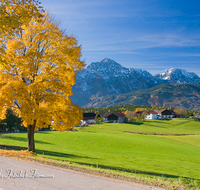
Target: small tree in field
(132,116)
(143,114)
(180,111)
(98,117)
(36,81)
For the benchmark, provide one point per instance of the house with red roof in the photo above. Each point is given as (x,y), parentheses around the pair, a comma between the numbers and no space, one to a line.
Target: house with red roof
(115,117)
(151,115)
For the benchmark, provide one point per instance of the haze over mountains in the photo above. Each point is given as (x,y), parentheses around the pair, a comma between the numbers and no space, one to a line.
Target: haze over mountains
(108,77)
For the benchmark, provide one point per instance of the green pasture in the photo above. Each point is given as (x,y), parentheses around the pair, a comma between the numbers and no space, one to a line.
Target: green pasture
(166,126)
(174,153)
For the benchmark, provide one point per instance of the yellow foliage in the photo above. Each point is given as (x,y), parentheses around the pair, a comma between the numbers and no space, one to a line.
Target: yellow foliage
(39,71)
(15,13)
(13,153)
(141,109)
(126,112)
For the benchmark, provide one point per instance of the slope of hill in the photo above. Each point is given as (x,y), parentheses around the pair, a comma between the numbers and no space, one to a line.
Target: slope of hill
(177,95)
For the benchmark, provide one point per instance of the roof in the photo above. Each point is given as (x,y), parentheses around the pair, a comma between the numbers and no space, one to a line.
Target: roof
(152,112)
(162,110)
(117,114)
(159,111)
(89,115)
(171,111)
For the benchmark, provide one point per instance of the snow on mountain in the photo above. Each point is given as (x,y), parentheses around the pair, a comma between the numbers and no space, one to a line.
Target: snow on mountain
(178,76)
(113,78)
(108,77)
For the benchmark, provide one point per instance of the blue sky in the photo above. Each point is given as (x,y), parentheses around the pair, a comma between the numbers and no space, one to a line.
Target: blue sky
(148,34)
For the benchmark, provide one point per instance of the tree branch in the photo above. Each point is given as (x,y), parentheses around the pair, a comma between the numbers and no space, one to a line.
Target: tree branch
(17,105)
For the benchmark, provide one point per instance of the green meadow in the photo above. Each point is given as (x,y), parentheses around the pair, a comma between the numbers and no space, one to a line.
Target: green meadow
(159,149)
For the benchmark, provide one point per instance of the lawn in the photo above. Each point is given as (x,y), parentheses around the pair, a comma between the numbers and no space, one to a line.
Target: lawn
(167,126)
(107,144)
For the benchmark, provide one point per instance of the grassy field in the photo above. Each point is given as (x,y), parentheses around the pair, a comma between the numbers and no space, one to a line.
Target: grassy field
(164,149)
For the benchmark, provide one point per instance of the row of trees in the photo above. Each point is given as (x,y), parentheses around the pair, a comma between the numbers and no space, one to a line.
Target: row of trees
(121,108)
(180,112)
(38,68)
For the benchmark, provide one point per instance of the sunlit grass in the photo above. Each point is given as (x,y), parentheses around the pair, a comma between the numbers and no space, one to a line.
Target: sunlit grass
(168,126)
(167,156)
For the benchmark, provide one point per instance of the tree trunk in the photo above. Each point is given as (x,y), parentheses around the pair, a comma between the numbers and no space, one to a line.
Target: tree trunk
(31,142)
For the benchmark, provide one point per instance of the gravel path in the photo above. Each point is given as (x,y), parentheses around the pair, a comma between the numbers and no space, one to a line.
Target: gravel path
(21,174)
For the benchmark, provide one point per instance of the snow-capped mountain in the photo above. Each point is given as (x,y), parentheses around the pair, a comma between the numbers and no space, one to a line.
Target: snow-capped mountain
(113,78)
(178,76)
(108,77)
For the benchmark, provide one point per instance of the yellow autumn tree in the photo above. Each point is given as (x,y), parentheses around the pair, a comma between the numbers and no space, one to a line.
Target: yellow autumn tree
(36,81)
(13,15)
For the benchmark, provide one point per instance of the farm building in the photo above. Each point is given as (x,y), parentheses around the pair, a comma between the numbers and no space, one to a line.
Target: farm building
(165,113)
(88,117)
(151,115)
(115,117)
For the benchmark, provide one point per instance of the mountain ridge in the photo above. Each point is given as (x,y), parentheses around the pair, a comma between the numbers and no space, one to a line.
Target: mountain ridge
(186,96)
(176,75)
(108,77)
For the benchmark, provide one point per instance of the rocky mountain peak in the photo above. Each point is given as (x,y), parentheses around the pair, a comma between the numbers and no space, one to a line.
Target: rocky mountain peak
(178,76)
(105,64)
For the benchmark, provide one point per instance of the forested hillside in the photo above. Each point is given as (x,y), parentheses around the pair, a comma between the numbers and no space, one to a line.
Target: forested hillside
(186,96)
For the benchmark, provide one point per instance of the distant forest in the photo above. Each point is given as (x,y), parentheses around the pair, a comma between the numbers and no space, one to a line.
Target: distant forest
(186,96)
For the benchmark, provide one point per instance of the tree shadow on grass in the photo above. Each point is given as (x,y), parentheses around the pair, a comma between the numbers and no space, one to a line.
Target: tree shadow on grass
(136,123)
(45,152)
(160,121)
(45,132)
(23,139)
(184,122)
(60,154)
(12,147)
(135,171)
(156,126)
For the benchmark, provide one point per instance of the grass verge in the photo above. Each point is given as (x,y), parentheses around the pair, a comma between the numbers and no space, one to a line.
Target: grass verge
(163,182)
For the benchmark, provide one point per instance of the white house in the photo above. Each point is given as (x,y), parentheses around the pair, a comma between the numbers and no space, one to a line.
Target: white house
(152,115)
(197,115)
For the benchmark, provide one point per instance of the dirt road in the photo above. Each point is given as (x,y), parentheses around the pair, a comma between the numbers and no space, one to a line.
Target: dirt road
(21,174)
